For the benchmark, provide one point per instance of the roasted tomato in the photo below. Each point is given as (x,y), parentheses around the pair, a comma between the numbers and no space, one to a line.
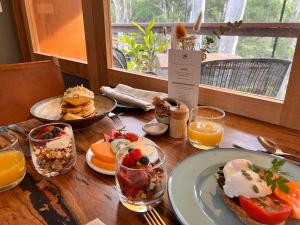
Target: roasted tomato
(268,210)
(292,198)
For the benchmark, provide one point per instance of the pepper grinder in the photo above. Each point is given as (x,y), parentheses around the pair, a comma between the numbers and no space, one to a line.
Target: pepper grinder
(178,121)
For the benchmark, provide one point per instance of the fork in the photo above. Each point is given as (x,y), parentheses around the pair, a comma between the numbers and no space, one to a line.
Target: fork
(153,218)
(116,119)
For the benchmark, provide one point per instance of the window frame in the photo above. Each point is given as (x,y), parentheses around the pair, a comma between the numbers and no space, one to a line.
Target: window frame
(99,71)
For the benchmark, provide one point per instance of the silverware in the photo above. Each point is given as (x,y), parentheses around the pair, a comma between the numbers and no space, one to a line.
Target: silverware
(273,148)
(245,147)
(116,119)
(153,218)
(24,145)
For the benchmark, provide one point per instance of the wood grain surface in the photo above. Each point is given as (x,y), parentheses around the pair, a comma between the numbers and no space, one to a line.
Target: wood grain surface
(83,194)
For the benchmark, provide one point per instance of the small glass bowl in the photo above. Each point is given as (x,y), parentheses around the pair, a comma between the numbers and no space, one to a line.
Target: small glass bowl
(141,189)
(53,149)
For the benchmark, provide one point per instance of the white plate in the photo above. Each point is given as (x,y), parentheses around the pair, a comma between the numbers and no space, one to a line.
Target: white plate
(89,155)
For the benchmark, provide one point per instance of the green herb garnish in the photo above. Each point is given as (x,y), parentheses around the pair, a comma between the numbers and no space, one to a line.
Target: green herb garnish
(254,168)
(273,177)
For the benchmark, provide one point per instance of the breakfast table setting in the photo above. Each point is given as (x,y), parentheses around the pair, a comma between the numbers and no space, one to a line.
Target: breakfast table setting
(82,195)
(131,156)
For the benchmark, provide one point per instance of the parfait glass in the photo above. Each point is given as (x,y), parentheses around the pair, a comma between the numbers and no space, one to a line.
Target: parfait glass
(12,160)
(206,127)
(141,188)
(53,149)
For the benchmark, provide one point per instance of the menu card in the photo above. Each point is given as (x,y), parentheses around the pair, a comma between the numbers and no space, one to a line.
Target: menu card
(184,76)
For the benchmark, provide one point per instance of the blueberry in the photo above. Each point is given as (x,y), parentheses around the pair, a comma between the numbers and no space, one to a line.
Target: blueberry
(48,136)
(144,160)
(56,130)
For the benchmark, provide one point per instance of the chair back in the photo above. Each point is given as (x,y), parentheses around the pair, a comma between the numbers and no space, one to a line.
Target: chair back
(257,76)
(119,59)
(24,84)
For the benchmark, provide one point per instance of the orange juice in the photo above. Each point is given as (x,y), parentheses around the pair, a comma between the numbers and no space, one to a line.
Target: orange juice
(205,134)
(12,167)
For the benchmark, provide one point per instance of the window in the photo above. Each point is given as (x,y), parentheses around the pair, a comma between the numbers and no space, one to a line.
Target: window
(267,32)
(256,61)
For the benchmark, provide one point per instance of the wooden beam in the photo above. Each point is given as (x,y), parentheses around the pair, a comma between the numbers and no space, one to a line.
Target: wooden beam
(291,107)
(21,31)
(96,16)
(289,30)
(74,67)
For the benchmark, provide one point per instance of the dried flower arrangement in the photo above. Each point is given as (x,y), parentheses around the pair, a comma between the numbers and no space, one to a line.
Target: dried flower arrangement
(188,42)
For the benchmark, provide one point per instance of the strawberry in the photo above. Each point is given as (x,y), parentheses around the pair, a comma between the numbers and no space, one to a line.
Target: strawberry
(106,138)
(136,154)
(118,135)
(131,137)
(128,161)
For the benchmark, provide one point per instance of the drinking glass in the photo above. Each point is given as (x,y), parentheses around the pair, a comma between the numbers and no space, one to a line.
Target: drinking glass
(53,149)
(206,127)
(141,188)
(12,160)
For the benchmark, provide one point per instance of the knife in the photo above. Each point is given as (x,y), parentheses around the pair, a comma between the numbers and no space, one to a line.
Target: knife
(246,147)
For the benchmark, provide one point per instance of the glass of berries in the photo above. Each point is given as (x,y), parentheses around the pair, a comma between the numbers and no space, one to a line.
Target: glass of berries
(141,177)
(53,149)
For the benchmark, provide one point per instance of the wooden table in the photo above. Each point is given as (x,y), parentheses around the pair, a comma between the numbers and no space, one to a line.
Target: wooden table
(83,195)
(163,58)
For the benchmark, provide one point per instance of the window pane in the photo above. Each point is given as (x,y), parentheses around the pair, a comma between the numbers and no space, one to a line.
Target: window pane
(58,28)
(256,61)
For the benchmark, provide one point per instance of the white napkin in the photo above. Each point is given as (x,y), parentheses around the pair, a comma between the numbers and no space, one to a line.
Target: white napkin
(95,222)
(132,96)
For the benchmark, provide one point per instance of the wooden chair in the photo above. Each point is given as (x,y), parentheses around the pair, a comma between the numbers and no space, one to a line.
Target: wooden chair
(257,76)
(24,84)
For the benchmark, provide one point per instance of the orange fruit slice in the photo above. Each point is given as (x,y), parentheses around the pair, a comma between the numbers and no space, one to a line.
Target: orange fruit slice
(103,165)
(102,152)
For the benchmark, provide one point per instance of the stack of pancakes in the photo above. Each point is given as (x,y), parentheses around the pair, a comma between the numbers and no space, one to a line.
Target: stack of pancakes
(77,103)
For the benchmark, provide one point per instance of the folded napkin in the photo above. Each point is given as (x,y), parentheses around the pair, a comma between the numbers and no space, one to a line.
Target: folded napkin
(95,222)
(132,96)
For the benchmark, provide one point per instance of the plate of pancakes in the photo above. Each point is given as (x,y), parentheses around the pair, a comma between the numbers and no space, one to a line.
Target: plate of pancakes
(78,106)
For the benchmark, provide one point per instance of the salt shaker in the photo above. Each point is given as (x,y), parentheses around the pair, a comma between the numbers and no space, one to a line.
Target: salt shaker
(178,121)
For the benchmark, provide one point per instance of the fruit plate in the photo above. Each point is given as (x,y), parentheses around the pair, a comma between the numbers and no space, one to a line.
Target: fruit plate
(88,158)
(195,195)
(89,155)
(48,110)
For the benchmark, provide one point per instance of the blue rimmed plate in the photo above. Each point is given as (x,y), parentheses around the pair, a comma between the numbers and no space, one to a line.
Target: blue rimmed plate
(194,193)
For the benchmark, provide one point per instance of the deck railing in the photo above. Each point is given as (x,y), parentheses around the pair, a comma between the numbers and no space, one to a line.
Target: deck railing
(288,30)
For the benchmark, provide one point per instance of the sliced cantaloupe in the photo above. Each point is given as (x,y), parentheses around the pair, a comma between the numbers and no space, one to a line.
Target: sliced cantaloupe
(103,165)
(102,152)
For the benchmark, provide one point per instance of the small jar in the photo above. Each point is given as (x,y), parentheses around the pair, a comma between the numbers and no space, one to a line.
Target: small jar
(178,121)
(53,149)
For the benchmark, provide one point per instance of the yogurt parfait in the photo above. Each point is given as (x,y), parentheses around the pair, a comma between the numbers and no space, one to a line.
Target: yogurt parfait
(53,149)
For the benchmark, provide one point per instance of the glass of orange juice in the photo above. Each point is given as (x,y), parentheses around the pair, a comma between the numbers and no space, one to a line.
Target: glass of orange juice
(206,127)
(12,160)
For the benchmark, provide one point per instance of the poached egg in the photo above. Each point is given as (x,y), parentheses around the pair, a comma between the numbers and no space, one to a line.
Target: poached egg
(241,180)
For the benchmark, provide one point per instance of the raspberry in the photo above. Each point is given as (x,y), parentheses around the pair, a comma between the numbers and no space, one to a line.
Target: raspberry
(128,161)
(136,154)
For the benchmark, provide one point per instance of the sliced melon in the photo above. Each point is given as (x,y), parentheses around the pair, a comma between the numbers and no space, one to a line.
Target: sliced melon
(102,152)
(103,165)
